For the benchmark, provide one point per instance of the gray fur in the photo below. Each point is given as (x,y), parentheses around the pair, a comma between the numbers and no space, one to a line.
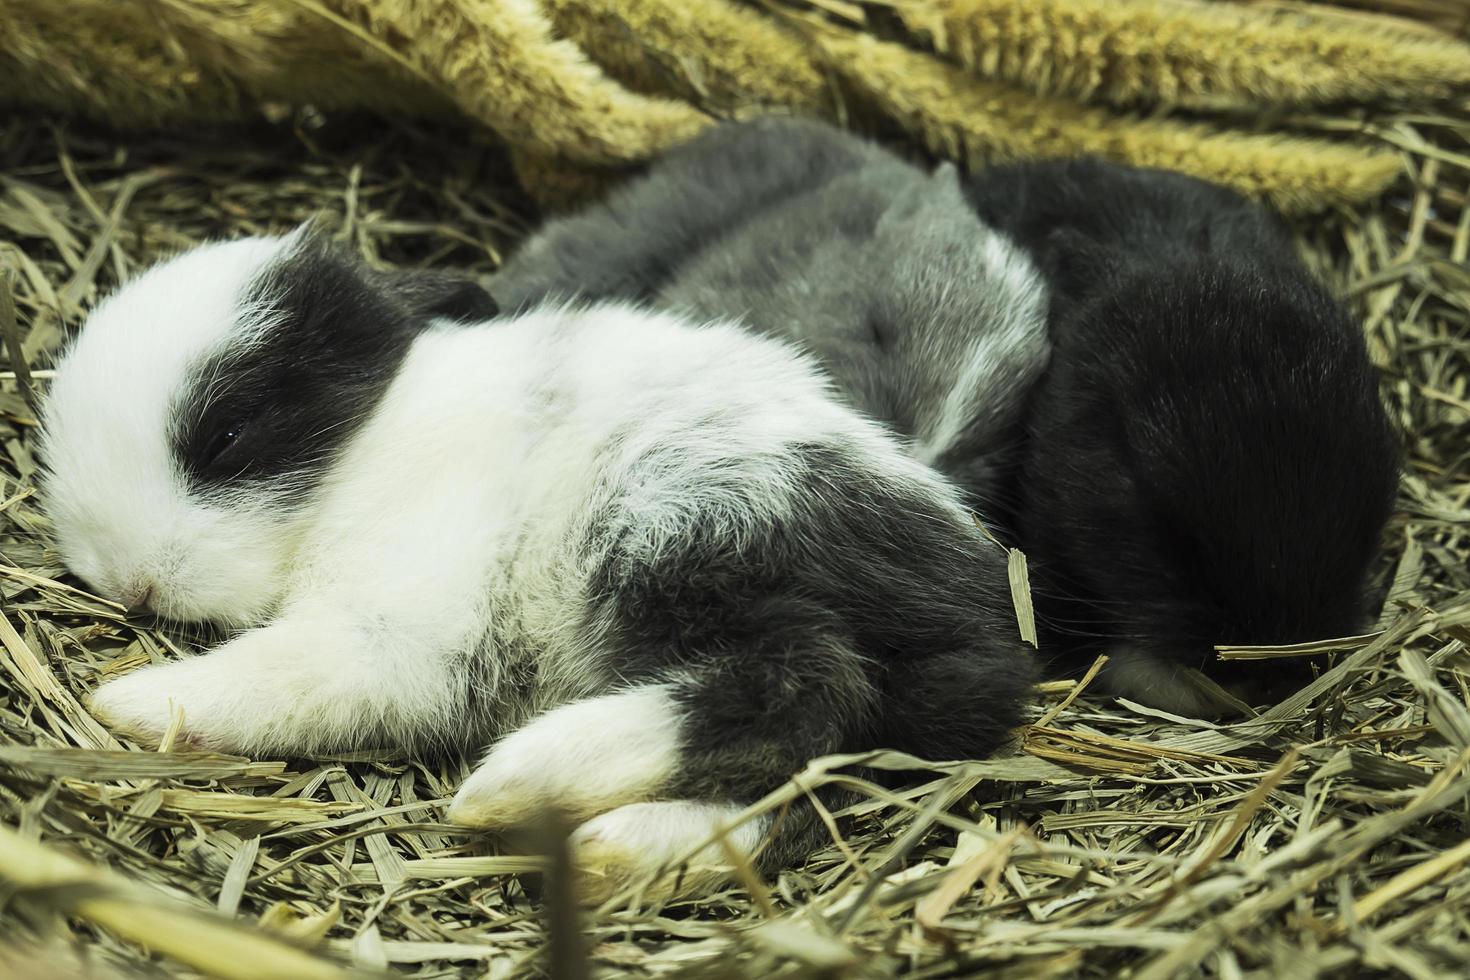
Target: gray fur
(927,319)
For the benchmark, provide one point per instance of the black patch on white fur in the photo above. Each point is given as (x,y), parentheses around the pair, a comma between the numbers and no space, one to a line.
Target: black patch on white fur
(869,616)
(282,407)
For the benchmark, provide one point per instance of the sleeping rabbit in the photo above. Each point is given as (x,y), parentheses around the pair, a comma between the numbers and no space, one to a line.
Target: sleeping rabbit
(1208,461)
(926,319)
(652,562)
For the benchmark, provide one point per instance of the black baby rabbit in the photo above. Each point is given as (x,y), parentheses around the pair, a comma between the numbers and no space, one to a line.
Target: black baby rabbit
(1208,461)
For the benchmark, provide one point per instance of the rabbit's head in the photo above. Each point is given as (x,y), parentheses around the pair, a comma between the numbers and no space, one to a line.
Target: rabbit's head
(198,413)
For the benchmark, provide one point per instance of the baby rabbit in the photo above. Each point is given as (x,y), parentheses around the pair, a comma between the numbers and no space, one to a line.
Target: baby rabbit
(1208,460)
(927,320)
(653,562)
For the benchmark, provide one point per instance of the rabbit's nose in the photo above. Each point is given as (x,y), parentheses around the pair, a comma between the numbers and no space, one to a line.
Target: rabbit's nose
(137,598)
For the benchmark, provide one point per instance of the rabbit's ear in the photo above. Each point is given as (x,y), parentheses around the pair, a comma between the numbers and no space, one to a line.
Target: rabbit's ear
(426,294)
(320,228)
(946,177)
(430,295)
(909,206)
(923,200)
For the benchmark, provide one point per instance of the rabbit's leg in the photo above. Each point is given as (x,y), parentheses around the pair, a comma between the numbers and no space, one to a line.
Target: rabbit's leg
(579,759)
(314,680)
(627,247)
(691,843)
(685,848)
(688,753)
(947,706)
(362,655)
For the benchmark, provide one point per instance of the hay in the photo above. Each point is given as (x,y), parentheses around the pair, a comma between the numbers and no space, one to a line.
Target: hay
(1326,837)
(965,118)
(1204,55)
(493,61)
(684,48)
(578,84)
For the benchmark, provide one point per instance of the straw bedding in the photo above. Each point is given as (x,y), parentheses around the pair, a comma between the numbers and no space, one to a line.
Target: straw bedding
(1329,836)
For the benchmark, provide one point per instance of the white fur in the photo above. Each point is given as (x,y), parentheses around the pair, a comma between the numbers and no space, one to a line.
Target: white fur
(639,840)
(582,759)
(317,679)
(123,519)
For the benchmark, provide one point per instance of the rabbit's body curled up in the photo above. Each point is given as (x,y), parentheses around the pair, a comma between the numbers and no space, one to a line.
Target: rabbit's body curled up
(1208,460)
(654,564)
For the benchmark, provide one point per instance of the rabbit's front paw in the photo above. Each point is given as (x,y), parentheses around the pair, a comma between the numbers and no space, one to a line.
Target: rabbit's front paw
(141,704)
(580,759)
(284,688)
(672,849)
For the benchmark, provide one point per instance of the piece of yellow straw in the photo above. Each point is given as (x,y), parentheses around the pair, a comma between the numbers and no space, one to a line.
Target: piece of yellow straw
(211,945)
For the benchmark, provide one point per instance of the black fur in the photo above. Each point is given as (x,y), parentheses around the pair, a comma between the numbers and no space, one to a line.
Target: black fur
(1208,459)
(280,408)
(864,618)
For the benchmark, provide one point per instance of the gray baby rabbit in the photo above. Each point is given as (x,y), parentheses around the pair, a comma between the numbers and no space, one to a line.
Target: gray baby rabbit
(1203,457)
(927,319)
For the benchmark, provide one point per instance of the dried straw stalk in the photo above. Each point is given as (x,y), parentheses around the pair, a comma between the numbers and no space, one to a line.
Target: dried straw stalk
(1325,837)
(1190,53)
(961,117)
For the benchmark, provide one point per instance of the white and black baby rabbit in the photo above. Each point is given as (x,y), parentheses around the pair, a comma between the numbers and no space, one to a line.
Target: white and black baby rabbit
(1208,460)
(928,320)
(654,564)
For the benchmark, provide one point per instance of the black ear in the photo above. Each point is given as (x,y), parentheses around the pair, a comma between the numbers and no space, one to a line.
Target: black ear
(457,299)
(1072,261)
(439,294)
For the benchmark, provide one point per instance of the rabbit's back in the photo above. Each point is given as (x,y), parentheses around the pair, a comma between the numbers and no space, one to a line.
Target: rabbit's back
(632,487)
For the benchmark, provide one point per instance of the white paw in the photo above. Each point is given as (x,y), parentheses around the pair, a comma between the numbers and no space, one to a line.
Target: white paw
(141,704)
(258,693)
(580,759)
(650,844)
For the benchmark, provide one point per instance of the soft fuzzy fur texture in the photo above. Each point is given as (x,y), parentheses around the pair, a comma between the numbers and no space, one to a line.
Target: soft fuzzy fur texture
(1208,459)
(662,551)
(1204,54)
(926,319)
(515,68)
(1205,392)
